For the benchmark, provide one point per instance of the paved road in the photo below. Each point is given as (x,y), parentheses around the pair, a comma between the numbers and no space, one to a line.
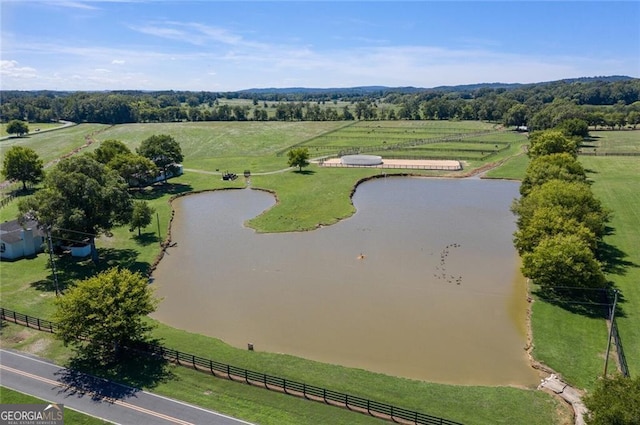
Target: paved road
(97,397)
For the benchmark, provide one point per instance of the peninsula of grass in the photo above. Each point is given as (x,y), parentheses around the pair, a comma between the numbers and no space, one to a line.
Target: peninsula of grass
(320,196)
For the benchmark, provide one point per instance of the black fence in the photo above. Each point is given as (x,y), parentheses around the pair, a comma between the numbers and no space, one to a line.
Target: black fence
(595,153)
(274,383)
(10,192)
(622,360)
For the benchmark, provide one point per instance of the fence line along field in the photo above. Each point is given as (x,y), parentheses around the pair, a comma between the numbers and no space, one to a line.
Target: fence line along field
(261,146)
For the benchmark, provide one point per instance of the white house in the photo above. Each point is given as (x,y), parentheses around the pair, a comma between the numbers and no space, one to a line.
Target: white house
(20,240)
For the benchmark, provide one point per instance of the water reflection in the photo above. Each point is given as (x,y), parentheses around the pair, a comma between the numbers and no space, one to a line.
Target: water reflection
(421,282)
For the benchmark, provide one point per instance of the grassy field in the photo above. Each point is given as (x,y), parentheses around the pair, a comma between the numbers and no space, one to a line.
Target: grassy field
(53,145)
(8,396)
(34,127)
(611,141)
(305,200)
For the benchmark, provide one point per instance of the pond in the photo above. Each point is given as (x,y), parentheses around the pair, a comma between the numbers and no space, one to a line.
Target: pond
(422,282)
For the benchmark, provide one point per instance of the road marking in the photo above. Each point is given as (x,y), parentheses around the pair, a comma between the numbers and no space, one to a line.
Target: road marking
(118,402)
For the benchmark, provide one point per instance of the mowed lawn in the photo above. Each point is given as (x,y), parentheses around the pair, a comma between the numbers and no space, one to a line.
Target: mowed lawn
(617,185)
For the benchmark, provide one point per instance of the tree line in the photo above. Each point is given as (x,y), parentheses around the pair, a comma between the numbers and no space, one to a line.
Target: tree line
(607,103)
(560,223)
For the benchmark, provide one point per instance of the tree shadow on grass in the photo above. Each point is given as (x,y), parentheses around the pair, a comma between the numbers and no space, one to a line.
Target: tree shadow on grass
(614,260)
(70,269)
(593,303)
(159,190)
(146,239)
(88,374)
(305,172)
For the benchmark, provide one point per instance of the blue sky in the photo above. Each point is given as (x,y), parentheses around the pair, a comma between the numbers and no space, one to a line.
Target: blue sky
(234,45)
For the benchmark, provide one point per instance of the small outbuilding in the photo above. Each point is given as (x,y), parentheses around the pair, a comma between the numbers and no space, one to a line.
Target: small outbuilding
(20,240)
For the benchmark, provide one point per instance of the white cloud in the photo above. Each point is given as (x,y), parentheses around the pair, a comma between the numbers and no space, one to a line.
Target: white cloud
(117,62)
(10,68)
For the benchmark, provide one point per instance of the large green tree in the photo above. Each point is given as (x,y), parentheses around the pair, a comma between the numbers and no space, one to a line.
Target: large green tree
(163,150)
(22,164)
(81,198)
(105,312)
(17,127)
(298,157)
(559,166)
(574,199)
(551,221)
(136,170)
(109,149)
(563,261)
(614,401)
(551,141)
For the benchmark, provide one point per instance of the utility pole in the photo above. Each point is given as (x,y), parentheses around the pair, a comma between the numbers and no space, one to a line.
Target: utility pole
(159,236)
(53,263)
(613,317)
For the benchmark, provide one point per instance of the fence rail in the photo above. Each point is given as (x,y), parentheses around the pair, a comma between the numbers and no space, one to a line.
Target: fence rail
(622,360)
(583,153)
(274,383)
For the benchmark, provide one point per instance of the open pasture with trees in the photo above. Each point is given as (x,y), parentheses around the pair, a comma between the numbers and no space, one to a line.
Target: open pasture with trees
(28,285)
(34,127)
(53,145)
(232,146)
(575,349)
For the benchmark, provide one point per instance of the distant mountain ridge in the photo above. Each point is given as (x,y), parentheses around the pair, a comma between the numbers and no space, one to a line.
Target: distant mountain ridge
(411,89)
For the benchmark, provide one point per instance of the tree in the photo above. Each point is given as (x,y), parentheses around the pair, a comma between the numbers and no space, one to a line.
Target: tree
(574,127)
(80,197)
(551,141)
(614,400)
(299,157)
(551,221)
(22,164)
(563,261)
(109,149)
(517,115)
(141,215)
(17,127)
(560,166)
(574,199)
(105,312)
(136,170)
(163,150)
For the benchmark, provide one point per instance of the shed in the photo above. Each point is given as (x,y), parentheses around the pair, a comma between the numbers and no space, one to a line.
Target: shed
(20,240)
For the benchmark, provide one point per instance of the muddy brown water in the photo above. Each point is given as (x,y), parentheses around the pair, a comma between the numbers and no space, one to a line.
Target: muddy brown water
(422,282)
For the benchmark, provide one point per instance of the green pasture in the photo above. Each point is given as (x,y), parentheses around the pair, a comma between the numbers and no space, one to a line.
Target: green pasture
(613,141)
(34,127)
(616,182)
(233,146)
(9,396)
(53,145)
